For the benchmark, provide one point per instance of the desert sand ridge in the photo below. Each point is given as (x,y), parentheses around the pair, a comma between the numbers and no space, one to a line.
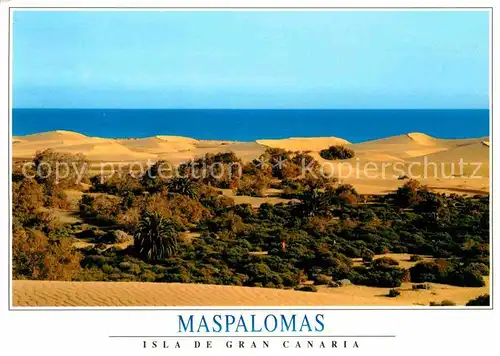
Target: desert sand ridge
(405,148)
(303,143)
(58,135)
(421,138)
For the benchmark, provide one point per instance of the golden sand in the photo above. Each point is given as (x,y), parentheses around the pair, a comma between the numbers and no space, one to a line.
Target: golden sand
(405,149)
(129,294)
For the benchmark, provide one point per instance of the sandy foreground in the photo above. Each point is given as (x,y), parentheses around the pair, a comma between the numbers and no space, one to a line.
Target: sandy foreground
(129,294)
(384,154)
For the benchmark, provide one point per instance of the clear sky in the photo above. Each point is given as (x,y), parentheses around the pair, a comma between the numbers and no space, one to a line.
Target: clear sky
(340,59)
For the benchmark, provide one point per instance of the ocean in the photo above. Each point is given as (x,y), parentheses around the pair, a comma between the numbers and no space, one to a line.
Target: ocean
(249,125)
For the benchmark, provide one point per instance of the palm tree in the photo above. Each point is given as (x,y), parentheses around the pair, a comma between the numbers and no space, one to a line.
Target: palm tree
(155,238)
(184,186)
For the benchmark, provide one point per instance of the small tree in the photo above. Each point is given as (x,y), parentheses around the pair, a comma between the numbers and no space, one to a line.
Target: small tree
(408,194)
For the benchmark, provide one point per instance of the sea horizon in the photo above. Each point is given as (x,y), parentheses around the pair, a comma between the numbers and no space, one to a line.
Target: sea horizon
(246,125)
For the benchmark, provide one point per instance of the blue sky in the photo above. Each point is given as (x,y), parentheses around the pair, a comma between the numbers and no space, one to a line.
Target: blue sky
(340,59)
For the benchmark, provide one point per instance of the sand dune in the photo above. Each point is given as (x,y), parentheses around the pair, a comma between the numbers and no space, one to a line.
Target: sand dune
(422,139)
(94,149)
(157,145)
(58,135)
(304,143)
(178,139)
(474,156)
(129,294)
(473,152)
(407,149)
(403,146)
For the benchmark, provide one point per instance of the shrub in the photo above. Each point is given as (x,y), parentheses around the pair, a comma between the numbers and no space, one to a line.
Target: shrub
(178,208)
(229,221)
(254,186)
(27,196)
(261,273)
(322,279)
(129,218)
(72,168)
(394,293)
(367,256)
(57,198)
(465,277)
(480,268)
(421,286)
(118,184)
(116,237)
(444,303)
(384,263)
(416,258)
(308,288)
(408,194)
(387,277)
(346,194)
(224,165)
(336,152)
(35,257)
(102,207)
(481,301)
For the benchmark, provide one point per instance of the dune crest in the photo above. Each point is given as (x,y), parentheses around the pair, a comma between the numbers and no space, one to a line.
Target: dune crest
(422,139)
(405,148)
(157,145)
(58,135)
(180,139)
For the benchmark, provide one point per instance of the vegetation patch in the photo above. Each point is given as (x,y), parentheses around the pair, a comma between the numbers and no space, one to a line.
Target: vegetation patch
(134,230)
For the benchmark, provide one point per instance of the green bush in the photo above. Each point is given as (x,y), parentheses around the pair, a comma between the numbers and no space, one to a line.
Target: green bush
(416,258)
(394,293)
(336,152)
(452,272)
(307,288)
(116,237)
(322,279)
(444,303)
(420,286)
(384,263)
(481,301)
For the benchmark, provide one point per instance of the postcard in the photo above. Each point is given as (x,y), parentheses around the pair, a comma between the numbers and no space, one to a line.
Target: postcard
(185,178)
